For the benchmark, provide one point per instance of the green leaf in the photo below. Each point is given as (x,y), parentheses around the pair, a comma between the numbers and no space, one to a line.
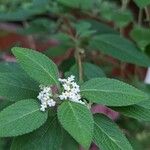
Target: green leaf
(89,70)
(107,9)
(2,143)
(122,18)
(84,4)
(47,137)
(37,65)
(17,86)
(141,36)
(10,67)
(145,104)
(69,143)
(39,26)
(77,120)
(92,71)
(120,48)
(111,92)
(108,136)
(4,103)
(21,118)
(5,143)
(142,3)
(21,14)
(57,51)
(83,29)
(100,28)
(19,11)
(138,112)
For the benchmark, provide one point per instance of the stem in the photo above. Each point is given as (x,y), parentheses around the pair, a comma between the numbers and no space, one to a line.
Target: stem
(121,31)
(124,4)
(140,15)
(147,15)
(79,62)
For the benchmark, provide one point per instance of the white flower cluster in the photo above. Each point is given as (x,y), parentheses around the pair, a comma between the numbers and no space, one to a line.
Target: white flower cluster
(45,96)
(71,90)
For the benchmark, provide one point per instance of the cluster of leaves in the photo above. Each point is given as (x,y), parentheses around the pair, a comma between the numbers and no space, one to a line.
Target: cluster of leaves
(24,116)
(70,124)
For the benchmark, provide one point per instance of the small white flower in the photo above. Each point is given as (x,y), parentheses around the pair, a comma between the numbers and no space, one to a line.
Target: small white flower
(71,90)
(45,97)
(66,87)
(71,78)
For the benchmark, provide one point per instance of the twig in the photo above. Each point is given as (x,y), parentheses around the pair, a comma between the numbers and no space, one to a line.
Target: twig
(79,62)
(147,15)
(140,15)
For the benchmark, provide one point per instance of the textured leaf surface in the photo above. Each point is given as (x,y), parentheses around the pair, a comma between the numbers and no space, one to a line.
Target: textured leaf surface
(108,136)
(92,71)
(37,65)
(20,118)
(145,104)
(135,111)
(47,137)
(69,143)
(111,92)
(78,121)
(17,86)
(120,48)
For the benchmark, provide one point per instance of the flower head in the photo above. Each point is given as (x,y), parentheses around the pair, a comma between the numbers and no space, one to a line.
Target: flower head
(45,97)
(71,90)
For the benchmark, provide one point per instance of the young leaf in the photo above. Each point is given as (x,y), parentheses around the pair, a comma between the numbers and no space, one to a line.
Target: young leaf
(107,135)
(77,120)
(111,92)
(122,18)
(120,48)
(37,65)
(141,36)
(21,118)
(17,86)
(47,137)
(135,111)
